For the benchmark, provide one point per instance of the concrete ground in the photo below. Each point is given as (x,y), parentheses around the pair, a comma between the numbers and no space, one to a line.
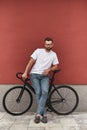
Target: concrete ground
(75,121)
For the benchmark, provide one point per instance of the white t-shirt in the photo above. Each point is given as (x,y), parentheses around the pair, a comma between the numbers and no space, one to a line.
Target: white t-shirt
(44,60)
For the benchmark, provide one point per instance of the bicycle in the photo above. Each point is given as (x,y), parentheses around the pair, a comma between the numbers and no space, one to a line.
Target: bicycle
(62,99)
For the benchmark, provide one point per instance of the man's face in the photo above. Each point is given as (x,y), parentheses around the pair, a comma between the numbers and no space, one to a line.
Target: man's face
(48,45)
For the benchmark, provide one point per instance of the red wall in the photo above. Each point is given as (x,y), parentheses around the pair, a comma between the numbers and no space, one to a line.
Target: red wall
(25,23)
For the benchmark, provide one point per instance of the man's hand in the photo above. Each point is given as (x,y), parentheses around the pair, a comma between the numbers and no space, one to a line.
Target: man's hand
(54,67)
(24,76)
(46,72)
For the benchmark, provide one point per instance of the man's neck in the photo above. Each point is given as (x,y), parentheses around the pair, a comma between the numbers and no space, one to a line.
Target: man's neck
(47,50)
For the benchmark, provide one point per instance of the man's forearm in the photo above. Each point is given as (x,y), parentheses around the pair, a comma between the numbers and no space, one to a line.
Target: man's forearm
(29,65)
(55,67)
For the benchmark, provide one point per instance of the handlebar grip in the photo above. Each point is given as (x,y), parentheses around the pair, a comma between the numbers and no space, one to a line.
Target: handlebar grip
(19,75)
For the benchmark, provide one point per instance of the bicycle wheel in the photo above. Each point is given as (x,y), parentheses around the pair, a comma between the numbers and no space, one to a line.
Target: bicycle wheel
(16,106)
(63,100)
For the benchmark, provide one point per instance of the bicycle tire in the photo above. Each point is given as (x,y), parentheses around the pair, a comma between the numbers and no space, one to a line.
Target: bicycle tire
(10,104)
(65,105)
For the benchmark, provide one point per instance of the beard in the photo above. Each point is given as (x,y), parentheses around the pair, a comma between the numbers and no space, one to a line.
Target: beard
(48,48)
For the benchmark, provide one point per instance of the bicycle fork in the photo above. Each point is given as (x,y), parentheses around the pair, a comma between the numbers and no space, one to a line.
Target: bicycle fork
(20,94)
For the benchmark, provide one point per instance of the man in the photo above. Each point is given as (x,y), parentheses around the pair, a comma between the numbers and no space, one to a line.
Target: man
(42,61)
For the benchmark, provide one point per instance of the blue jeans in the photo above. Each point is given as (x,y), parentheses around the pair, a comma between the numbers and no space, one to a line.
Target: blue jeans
(40,84)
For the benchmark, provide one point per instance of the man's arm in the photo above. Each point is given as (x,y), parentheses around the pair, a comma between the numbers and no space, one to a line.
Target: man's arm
(28,67)
(54,67)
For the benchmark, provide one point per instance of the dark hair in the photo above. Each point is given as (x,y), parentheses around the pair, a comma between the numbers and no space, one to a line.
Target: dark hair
(48,39)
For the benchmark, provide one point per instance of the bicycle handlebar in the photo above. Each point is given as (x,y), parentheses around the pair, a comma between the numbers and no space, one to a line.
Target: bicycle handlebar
(19,75)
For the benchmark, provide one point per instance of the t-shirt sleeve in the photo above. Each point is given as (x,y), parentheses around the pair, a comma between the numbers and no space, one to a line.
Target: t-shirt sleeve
(55,60)
(35,54)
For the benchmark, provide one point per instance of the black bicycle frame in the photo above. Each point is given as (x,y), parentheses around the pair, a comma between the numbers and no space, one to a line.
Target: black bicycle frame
(29,86)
